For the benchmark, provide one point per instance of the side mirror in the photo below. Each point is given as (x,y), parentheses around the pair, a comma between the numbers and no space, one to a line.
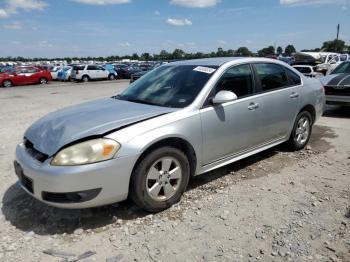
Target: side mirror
(223,97)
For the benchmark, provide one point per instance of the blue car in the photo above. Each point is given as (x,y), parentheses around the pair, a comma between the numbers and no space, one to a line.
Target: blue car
(64,74)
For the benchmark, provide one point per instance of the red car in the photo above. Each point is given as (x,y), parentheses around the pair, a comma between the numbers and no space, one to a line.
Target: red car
(24,75)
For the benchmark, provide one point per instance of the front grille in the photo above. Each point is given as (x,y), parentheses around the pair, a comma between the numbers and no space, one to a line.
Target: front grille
(27,183)
(36,154)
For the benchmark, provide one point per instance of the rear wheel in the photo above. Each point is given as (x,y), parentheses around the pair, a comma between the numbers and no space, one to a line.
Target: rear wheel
(7,83)
(43,81)
(85,78)
(111,77)
(301,131)
(160,179)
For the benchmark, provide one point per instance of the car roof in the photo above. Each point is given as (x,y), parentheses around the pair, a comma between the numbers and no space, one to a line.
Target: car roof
(219,61)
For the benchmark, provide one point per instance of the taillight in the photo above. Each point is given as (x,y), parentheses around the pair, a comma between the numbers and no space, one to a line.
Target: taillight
(323,87)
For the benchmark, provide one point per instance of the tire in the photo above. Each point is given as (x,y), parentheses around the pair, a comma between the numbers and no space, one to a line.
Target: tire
(85,78)
(111,77)
(7,83)
(149,173)
(301,132)
(43,81)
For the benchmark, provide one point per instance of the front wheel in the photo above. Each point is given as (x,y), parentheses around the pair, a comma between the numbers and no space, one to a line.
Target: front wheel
(160,179)
(7,83)
(111,77)
(301,132)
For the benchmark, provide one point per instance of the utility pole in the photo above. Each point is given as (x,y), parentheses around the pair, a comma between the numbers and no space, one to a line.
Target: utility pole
(336,42)
(338,28)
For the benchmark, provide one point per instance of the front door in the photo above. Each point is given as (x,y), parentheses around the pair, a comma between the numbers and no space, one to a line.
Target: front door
(234,126)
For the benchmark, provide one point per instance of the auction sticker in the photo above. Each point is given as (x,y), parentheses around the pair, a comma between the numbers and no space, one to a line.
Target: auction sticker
(203,69)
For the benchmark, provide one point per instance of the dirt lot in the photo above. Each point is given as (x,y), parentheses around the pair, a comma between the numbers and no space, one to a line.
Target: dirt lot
(275,206)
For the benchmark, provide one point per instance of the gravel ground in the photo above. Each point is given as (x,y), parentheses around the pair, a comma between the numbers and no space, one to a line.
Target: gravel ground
(275,206)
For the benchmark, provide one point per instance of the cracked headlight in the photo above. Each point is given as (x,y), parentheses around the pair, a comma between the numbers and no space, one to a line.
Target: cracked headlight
(87,152)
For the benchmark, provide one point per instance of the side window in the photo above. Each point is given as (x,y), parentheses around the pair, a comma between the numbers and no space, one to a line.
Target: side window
(32,70)
(272,76)
(238,79)
(294,79)
(92,67)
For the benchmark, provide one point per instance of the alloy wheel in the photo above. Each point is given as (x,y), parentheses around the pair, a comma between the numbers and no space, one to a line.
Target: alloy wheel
(164,178)
(302,131)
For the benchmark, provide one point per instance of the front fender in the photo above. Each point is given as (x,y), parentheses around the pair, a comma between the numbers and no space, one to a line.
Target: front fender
(186,128)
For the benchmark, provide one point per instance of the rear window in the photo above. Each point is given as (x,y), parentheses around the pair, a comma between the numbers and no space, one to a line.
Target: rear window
(293,77)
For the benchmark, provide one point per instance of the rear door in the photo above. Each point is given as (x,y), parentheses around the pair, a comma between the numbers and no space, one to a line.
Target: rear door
(279,89)
(33,74)
(92,71)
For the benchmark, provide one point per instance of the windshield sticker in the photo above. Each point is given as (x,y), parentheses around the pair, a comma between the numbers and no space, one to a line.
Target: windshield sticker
(203,69)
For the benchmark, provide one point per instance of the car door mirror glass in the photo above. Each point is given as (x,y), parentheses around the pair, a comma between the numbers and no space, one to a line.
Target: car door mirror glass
(223,97)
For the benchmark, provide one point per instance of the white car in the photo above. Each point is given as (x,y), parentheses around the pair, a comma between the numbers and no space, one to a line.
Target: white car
(308,71)
(91,72)
(330,61)
(54,72)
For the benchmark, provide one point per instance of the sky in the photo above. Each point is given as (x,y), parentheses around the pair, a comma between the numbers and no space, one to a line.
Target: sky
(59,28)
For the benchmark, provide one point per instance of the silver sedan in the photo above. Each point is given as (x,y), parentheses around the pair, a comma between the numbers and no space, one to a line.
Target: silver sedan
(179,120)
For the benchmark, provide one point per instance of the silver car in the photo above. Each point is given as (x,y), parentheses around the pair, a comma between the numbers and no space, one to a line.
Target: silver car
(179,120)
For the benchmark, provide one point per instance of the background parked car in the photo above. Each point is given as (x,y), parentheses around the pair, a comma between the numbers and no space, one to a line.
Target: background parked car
(147,69)
(64,74)
(337,85)
(54,71)
(24,76)
(128,71)
(308,71)
(91,72)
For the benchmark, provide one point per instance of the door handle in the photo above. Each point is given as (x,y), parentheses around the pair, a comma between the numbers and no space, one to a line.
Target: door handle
(253,106)
(294,95)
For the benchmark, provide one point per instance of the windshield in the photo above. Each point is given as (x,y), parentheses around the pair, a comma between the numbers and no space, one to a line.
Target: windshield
(169,86)
(342,68)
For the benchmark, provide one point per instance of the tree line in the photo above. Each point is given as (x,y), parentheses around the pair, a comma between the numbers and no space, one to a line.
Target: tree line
(328,46)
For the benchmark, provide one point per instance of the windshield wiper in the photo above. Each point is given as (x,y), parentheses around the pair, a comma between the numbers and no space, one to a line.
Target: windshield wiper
(135,100)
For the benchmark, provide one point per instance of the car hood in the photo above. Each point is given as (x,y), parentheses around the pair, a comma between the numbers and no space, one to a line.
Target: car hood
(336,79)
(57,129)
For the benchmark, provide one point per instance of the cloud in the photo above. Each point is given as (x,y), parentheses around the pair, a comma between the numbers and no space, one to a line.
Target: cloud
(103,2)
(45,43)
(344,8)
(13,26)
(12,6)
(195,3)
(222,42)
(178,22)
(126,44)
(156,12)
(312,2)
(3,13)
